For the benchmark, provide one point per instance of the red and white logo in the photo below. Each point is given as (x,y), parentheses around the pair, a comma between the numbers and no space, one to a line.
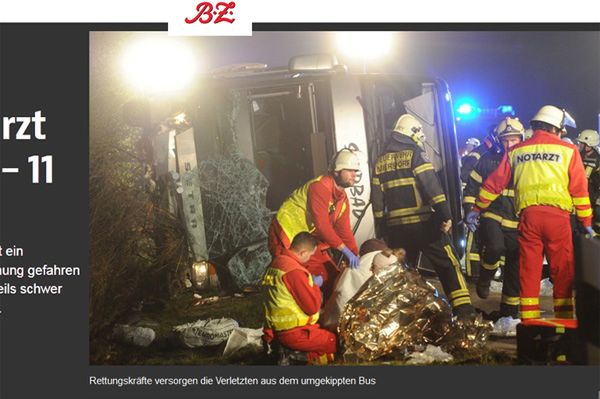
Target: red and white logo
(209,18)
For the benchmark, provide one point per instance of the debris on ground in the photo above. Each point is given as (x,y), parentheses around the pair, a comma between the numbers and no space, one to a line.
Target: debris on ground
(431,354)
(244,342)
(505,327)
(546,287)
(205,332)
(132,335)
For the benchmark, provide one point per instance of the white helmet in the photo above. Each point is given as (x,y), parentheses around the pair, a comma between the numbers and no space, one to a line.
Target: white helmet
(346,159)
(411,127)
(528,133)
(589,137)
(509,127)
(473,141)
(557,117)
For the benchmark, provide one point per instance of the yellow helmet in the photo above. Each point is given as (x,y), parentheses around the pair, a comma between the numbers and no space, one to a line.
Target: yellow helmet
(589,137)
(410,126)
(509,127)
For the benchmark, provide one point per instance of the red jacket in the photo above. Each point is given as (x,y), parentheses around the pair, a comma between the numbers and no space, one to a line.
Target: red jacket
(319,208)
(546,171)
(308,298)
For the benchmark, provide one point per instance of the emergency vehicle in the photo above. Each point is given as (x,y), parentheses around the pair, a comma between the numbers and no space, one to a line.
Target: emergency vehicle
(290,122)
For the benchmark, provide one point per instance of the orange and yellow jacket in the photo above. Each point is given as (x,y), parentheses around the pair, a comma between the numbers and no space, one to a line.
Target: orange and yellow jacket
(320,208)
(545,171)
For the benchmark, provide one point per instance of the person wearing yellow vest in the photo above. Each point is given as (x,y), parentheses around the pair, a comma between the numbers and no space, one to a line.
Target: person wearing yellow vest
(292,302)
(321,208)
(549,182)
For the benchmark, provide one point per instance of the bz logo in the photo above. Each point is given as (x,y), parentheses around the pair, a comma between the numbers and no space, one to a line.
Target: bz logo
(206,13)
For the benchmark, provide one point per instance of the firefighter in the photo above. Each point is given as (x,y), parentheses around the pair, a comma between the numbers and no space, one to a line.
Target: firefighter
(405,187)
(498,229)
(588,141)
(470,145)
(469,160)
(472,257)
(549,181)
(321,207)
(292,302)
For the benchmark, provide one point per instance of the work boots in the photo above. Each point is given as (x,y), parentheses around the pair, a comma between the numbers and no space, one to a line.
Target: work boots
(483,286)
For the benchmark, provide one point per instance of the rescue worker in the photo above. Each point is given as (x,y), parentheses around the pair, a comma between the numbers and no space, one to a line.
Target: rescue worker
(472,256)
(469,160)
(549,181)
(321,207)
(470,145)
(409,202)
(498,229)
(292,302)
(588,141)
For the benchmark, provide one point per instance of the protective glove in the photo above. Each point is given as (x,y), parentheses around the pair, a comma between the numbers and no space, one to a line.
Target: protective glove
(353,260)
(589,232)
(317,280)
(472,220)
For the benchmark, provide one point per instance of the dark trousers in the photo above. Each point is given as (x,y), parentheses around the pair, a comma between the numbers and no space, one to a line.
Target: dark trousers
(496,242)
(437,248)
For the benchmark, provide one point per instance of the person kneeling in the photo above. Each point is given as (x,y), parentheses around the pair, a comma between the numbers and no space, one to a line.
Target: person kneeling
(292,302)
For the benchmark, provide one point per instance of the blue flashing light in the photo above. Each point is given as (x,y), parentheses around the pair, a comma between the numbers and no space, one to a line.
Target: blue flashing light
(506,110)
(465,109)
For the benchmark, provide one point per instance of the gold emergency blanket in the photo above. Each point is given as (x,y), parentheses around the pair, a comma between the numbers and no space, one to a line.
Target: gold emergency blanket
(397,312)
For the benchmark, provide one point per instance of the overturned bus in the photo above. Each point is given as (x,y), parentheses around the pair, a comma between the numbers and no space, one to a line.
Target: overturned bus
(289,123)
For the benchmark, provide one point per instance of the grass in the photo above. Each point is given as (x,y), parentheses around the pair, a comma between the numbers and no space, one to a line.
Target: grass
(247,311)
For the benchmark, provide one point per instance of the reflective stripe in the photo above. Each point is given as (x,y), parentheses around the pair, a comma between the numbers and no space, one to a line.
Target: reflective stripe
(376,181)
(408,219)
(510,300)
(482,205)
(439,198)
(483,193)
(461,301)
(530,314)
(475,155)
(399,182)
(530,301)
(581,200)
(508,192)
(487,266)
(474,257)
(458,293)
(410,211)
(563,301)
(584,213)
(378,214)
(476,176)
(456,264)
(423,168)
(512,224)
(468,200)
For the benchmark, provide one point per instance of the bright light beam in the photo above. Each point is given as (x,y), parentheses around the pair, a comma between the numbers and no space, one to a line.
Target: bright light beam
(158,65)
(364,45)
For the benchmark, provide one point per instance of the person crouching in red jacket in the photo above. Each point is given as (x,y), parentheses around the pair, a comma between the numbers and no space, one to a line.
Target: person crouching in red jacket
(292,302)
